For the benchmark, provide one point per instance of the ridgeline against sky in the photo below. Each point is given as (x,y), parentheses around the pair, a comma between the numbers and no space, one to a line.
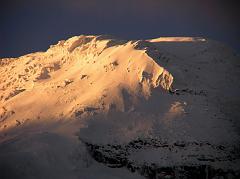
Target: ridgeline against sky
(32,25)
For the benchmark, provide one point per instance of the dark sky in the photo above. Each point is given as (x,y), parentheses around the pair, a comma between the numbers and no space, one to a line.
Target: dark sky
(32,25)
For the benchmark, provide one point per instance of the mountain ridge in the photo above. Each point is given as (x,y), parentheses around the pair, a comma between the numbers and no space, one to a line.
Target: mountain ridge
(157,107)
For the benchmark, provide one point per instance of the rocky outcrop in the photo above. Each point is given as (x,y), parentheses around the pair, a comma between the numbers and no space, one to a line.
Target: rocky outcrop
(117,156)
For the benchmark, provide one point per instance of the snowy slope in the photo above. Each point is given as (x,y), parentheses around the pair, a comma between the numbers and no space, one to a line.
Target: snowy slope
(93,102)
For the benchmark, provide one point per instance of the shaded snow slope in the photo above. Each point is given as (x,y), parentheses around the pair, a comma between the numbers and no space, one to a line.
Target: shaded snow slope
(177,95)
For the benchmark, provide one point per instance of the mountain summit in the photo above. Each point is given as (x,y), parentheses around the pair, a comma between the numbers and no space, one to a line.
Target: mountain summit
(91,105)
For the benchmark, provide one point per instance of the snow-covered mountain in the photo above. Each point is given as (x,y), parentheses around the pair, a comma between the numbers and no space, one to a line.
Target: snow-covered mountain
(101,107)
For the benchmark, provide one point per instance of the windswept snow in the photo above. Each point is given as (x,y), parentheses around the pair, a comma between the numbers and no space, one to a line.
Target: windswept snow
(101,92)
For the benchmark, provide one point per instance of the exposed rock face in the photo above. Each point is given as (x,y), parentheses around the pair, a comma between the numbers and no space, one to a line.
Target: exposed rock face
(117,156)
(165,107)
